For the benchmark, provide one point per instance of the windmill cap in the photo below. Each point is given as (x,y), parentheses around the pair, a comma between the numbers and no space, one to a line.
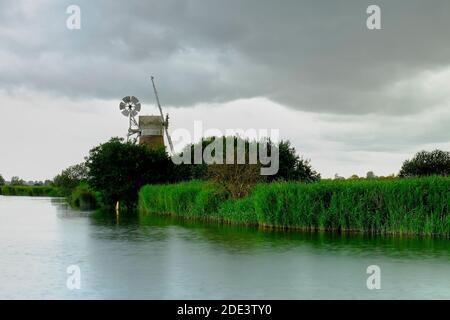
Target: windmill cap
(150,120)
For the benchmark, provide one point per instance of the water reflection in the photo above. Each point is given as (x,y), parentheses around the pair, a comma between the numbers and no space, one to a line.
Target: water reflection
(136,256)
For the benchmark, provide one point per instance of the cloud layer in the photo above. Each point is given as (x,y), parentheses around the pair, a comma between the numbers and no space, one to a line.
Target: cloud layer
(365,95)
(308,55)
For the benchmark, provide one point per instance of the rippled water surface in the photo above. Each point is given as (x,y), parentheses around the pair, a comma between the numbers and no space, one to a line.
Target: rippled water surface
(161,258)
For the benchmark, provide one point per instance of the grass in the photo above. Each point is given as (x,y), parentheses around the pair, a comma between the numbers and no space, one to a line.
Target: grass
(393,206)
(32,191)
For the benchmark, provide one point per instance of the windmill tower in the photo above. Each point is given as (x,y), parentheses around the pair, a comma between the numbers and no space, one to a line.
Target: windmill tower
(152,130)
(148,130)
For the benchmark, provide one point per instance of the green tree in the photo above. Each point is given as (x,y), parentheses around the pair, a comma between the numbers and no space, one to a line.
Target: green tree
(16,181)
(370,175)
(2,180)
(292,166)
(70,178)
(117,170)
(425,163)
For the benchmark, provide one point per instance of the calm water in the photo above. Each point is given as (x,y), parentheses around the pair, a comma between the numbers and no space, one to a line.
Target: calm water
(162,258)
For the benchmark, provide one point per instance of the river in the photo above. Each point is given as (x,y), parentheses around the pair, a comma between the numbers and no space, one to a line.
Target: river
(134,257)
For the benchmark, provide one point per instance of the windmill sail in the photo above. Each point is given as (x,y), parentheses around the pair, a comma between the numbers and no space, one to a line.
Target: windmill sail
(169,139)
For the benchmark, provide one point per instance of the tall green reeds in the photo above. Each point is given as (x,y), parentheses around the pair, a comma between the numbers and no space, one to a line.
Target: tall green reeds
(416,205)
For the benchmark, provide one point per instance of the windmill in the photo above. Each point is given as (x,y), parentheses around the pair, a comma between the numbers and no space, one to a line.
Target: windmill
(130,107)
(149,130)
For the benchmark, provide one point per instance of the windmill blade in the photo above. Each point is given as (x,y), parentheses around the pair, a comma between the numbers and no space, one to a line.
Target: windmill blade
(126,112)
(127,99)
(169,139)
(137,107)
(122,105)
(134,100)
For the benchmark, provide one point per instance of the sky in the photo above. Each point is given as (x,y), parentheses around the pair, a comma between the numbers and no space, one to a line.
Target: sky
(350,99)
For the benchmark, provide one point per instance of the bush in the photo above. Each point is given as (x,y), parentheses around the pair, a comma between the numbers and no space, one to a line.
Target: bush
(70,178)
(425,163)
(117,170)
(291,166)
(82,197)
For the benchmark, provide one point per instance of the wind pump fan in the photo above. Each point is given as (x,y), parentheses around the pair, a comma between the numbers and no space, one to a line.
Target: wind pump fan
(130,106)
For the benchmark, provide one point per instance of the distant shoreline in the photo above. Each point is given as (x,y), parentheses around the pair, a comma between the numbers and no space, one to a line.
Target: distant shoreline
(30,191)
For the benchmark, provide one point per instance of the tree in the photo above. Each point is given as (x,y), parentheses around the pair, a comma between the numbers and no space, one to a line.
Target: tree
(370,175)
(71,177)
(292,166)
(425,163)
(117,170)
(2,180)
(236,178)
(16,181)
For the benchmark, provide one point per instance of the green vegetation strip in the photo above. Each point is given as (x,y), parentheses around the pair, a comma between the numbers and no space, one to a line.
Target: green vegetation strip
(399,206)
(32,191)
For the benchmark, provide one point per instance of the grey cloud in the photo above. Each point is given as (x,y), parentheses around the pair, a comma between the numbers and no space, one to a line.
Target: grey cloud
(308,55)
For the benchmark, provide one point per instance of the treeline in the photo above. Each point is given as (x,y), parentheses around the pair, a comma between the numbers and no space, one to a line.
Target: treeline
(401,206)
(32,191)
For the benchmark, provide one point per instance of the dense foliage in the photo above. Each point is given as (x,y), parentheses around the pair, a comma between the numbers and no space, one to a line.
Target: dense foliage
(71,177)
(425,163)
(417,205)
(117,170)
(16,181)
(293,167)
(2,180)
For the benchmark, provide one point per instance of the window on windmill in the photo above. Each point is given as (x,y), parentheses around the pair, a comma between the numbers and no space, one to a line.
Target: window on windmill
(151,132)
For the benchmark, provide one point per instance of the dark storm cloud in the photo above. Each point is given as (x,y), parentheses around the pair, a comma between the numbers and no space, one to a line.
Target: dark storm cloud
(309,55)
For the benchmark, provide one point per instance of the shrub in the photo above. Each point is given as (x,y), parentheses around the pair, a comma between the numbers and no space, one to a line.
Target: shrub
(82,197)
(425,163)
(117,170)
(70,178)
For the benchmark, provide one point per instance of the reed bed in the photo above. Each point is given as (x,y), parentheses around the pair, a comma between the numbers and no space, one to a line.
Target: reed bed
(392,206)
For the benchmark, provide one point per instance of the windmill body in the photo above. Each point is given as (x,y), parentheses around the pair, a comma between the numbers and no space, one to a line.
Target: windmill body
(152,131)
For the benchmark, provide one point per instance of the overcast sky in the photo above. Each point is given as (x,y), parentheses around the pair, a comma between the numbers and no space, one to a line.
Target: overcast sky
(348,98)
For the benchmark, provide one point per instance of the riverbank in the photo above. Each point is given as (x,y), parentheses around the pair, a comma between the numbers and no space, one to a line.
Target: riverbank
(393,206)
(30,191)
